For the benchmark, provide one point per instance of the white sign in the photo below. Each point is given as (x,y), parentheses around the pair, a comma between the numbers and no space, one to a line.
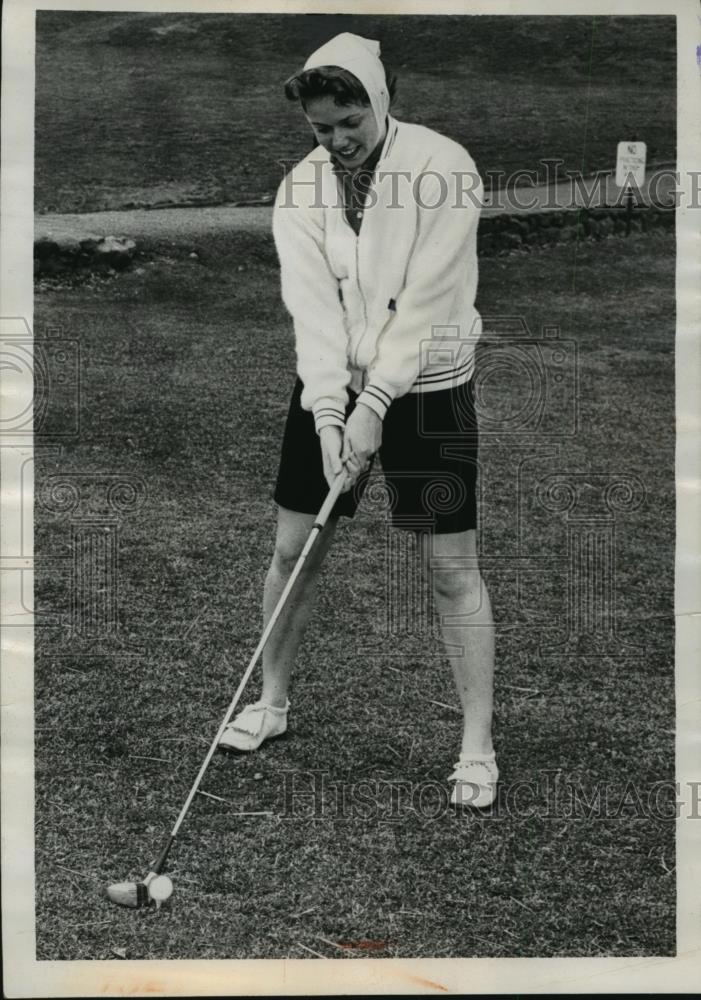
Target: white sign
(630,164)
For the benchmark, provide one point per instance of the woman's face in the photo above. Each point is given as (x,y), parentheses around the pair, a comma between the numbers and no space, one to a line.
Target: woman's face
(348,131)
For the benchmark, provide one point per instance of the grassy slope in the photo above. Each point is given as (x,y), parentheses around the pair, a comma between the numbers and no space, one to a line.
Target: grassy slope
(146,109)
(172,393)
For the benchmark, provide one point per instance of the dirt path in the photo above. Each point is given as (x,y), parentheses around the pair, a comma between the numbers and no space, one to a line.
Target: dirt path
(176,224)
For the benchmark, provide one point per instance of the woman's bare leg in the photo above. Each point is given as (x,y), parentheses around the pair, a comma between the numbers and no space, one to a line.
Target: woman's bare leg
(467,628)
(280,652)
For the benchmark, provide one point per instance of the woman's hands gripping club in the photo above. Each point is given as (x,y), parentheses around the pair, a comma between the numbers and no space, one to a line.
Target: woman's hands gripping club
(353,448)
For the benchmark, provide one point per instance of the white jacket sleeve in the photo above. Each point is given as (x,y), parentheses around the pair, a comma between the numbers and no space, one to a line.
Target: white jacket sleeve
(445,248)
(310,293)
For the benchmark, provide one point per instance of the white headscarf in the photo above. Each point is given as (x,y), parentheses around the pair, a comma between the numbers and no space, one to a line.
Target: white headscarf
(361,57)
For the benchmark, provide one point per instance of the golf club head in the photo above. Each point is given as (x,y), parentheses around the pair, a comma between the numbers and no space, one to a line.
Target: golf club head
(154,889)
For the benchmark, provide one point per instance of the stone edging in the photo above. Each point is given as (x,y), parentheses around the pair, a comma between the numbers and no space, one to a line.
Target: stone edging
(504,233)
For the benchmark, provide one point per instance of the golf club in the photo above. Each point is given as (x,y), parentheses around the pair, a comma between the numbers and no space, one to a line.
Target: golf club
(156,887)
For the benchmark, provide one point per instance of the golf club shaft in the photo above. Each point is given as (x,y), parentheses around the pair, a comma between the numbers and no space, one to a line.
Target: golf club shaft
(321,519)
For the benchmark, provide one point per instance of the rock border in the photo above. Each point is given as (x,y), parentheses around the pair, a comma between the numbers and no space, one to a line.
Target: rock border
(91,253)
(505,233)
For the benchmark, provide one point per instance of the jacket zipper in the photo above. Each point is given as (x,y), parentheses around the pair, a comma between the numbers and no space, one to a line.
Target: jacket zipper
(357,266)
(357,273)
(362,296)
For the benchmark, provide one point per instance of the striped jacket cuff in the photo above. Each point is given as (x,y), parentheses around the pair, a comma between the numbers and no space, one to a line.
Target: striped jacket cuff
(378,396)
(328,413)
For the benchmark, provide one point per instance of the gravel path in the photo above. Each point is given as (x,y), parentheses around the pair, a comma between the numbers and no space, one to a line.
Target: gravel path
(175,224)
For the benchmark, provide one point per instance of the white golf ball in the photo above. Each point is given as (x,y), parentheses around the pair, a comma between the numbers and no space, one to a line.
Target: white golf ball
(160,888)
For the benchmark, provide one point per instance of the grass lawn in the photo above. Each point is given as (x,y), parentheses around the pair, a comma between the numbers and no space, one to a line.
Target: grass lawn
(145,109)
(186,372)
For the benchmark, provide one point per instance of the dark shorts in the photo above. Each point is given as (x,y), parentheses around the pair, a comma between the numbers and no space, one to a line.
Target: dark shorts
(428,457)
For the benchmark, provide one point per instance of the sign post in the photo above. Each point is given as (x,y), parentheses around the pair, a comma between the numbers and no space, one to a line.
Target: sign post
(630,171)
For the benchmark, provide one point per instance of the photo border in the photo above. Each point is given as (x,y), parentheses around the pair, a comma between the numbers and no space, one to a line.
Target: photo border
(26,977)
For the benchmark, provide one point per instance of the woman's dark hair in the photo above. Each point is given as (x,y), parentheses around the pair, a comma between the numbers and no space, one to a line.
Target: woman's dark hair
(332,81)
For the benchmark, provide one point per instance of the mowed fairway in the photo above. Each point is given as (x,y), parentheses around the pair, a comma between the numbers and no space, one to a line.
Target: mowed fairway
(187,368)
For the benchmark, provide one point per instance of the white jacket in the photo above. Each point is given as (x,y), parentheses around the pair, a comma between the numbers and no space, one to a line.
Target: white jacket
(391,310)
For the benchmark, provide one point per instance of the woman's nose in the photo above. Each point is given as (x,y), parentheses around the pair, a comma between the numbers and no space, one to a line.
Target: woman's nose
(339,140)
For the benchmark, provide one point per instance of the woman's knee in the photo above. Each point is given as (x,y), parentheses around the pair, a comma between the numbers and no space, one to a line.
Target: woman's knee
(458,584)
(286,556)
(292,535)
(283,561)
(449,563)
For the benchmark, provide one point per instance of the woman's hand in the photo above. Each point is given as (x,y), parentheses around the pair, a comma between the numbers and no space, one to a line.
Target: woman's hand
(361,439)
(331,440)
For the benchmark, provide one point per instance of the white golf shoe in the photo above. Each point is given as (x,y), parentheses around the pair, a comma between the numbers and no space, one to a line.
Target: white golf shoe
(255,724)
(475,776)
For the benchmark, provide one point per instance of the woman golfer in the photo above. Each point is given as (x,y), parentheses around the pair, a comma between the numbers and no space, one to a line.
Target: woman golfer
(376,231)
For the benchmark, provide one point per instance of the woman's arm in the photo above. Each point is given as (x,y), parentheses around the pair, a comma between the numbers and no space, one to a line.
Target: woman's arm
(310,293)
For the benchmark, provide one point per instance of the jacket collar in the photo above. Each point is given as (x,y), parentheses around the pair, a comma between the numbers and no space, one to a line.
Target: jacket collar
(390,138)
